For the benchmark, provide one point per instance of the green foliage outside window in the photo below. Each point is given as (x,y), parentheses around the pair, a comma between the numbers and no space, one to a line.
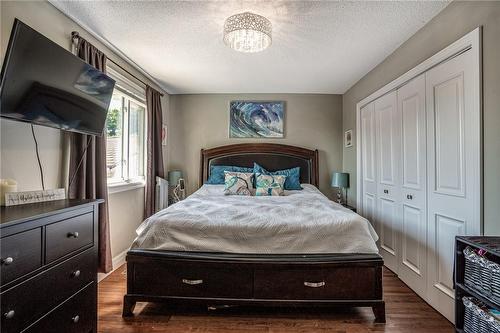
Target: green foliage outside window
(113,123)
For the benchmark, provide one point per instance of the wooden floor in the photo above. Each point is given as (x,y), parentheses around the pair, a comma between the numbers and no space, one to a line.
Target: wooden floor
(406,313)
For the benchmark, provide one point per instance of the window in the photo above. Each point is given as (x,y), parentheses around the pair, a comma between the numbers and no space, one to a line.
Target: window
(126,135)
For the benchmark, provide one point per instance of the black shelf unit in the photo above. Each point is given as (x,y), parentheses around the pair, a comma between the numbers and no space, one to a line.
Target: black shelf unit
(490,244)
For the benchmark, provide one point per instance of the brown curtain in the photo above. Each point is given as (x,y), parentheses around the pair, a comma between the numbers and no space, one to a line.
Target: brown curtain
(154,149)
(88,151)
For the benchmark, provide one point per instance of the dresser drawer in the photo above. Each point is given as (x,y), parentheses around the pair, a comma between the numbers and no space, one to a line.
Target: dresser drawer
(310,284)
(36,296)
(20,254)
(68,235)
(193,280)
(76,315)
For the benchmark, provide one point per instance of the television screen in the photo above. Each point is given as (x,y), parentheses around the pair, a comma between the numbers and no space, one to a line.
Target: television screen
(44,84)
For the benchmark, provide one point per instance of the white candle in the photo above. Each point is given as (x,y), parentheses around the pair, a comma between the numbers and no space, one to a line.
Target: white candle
(6,185)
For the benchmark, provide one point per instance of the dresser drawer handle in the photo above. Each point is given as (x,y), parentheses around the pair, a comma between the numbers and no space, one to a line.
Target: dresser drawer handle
(75,319)
(76,273)
(7,261)
(73,234)
(314,284)
(192,282)
(9,315)
(386,191)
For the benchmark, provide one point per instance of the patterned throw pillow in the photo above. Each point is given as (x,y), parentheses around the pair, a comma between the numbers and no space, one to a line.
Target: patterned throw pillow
(217,173)
(238,183)
(270,185)
(292,176)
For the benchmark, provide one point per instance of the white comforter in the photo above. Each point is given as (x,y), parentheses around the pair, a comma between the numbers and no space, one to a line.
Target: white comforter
(302,222)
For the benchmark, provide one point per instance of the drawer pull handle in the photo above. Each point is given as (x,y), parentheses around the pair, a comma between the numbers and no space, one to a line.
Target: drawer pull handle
(409,197)
(7,261)
(386,191)
(9,315)
(73,234)
(192,282)
(75,319)
(76,273)
(314,284)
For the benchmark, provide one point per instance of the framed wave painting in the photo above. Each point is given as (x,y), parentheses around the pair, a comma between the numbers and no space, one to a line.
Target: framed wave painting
(254,119)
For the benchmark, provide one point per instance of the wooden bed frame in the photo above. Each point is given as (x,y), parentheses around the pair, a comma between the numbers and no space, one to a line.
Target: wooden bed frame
(235,279)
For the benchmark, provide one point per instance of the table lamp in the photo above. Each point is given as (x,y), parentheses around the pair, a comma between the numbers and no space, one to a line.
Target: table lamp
(340,180)
(175,179)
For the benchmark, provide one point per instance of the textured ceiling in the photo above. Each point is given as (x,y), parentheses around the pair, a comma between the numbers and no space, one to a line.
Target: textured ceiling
(318,46)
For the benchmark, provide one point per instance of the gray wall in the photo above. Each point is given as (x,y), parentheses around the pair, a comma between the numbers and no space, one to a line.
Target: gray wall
(17,154)
(201,121)
(453,22)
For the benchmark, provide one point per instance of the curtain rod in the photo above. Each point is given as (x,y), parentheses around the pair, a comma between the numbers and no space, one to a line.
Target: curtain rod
(75,34)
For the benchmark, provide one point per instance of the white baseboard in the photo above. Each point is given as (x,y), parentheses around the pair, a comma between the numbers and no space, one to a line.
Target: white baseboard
(118,260)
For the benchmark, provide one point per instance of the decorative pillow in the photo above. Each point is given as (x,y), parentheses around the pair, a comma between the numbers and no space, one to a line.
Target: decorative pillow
(217,173)
(270,185)
(238,183)
(292,176)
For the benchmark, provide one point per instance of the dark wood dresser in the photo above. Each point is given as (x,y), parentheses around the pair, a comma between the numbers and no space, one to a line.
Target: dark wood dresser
(48,267)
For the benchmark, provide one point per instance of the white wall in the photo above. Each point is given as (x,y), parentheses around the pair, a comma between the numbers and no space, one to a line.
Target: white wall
(17,154)
(312,121)
(456,20)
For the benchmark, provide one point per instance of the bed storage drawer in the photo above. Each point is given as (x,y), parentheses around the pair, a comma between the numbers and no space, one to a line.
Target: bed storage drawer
(310,284)
(17,261)
(69,235)
(193,280)
(36,296)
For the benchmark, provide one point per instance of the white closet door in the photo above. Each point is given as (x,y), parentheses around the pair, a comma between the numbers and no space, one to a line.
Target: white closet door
(413,254)
(368,160)
(454,183)
(387,140)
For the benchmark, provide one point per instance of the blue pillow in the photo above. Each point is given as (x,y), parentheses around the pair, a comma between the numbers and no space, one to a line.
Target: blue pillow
(292,181)
(217,173)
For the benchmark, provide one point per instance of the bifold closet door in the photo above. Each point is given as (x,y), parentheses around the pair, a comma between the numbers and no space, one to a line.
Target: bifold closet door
(413,254)
(454,170)
(368,160)
(387,149)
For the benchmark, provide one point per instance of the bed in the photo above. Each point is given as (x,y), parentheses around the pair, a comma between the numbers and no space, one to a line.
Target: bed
(273,251)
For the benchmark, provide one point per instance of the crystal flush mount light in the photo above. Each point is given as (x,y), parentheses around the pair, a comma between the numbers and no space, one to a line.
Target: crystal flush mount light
(247,32)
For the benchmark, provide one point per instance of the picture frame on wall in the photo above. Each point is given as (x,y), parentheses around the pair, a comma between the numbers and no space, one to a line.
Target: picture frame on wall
(348,138)
(164,134)
(256,119)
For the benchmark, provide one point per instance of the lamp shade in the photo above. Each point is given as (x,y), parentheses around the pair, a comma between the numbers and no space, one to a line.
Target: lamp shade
(174,176)
(340,179)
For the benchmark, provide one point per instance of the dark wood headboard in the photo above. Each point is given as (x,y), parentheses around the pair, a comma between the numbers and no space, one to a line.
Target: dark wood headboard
(269,155)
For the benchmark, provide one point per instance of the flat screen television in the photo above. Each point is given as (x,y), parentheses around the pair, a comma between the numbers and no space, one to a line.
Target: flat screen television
(45,84)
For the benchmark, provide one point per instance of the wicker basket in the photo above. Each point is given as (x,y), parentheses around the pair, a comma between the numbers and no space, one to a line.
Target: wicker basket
(482,274)
(476,320)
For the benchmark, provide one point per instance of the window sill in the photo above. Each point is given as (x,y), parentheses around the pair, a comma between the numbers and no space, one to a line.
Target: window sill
(125,186)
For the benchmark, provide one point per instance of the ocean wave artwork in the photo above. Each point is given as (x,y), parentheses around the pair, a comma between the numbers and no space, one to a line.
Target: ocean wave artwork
(256,119)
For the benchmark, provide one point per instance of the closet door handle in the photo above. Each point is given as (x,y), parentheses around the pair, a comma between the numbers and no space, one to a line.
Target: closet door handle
(314,284)
(192,282)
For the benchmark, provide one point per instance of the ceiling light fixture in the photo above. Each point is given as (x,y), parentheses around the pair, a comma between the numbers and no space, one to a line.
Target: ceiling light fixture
(247,32)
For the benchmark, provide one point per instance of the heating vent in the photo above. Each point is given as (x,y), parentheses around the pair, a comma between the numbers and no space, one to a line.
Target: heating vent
(161,194)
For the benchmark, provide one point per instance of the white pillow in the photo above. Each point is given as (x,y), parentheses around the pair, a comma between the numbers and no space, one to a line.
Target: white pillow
(238,183)
(270,184)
